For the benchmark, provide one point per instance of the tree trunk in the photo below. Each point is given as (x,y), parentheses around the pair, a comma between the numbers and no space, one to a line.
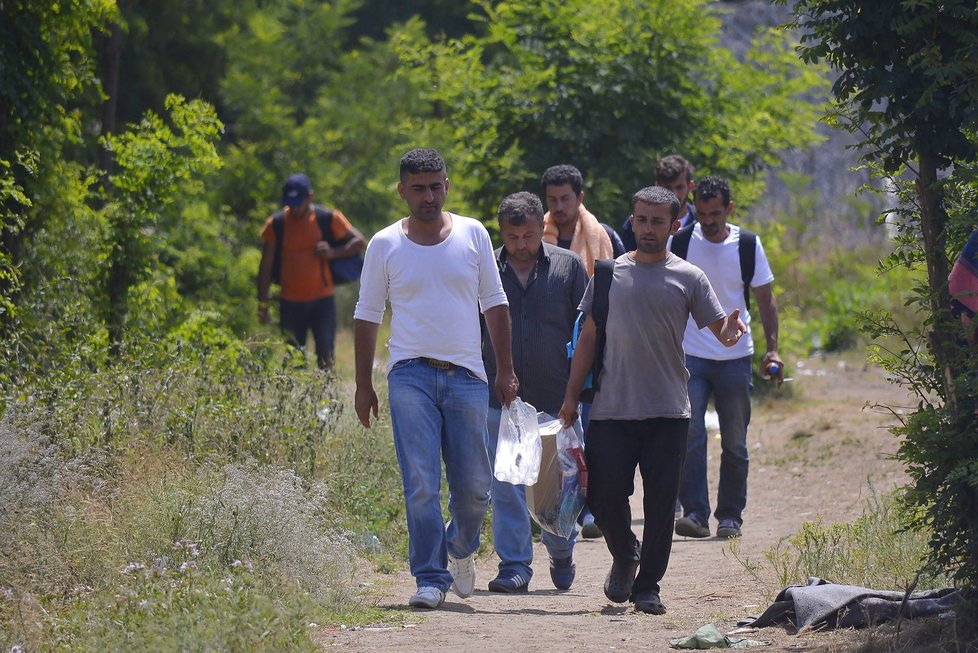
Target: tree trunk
(933,221)
(111,51)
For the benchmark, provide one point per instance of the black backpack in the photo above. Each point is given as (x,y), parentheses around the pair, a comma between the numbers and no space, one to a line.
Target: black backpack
(350,270)
(746,248)
(604,271)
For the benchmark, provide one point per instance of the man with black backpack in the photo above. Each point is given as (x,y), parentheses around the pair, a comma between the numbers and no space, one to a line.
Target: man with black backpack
(734,261)
(640,415)
(305,246)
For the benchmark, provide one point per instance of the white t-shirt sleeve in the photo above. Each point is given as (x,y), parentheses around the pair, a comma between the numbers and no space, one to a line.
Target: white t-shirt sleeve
(491,293)
(762,268)
(372,300)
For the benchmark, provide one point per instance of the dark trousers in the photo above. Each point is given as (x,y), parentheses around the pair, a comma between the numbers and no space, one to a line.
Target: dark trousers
(319,316)
(614,448)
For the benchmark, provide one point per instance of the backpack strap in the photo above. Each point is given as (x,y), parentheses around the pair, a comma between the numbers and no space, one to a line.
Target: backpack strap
(680,241)
(324,217)
(604,272)
(278,227)
(747,248)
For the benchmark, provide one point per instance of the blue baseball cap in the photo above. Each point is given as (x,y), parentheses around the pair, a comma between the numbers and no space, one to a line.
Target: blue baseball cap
(296,190)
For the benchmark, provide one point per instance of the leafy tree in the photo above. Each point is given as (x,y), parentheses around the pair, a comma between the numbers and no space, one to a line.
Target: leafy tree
(611,87)
(158,167)
(47,84)
(906,83)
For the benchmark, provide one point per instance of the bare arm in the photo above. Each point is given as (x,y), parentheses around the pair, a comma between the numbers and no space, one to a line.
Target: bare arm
(769,320)
(498,326)
(729,329)
(356,244)
(265,280)
(581,364)
(364,347)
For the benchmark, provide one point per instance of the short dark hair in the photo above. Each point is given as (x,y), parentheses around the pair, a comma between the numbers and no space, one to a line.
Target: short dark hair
(518,208)
(563,174)
(421,159)
(671,167)
(658,195)
(710,187)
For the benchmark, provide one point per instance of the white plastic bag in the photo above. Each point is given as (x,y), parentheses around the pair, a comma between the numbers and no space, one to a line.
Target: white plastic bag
(558,496)
(518,449)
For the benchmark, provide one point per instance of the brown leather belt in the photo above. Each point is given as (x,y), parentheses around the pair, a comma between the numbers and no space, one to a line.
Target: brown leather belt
(441,365)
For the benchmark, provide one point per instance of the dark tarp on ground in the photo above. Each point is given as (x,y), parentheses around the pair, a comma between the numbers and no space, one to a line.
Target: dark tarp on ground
(822,604)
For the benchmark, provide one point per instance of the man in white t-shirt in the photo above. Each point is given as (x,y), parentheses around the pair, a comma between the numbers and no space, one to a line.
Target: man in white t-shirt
(724,373)
(438,270)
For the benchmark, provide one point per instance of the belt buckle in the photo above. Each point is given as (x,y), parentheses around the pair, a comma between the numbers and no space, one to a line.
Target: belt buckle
(437,364)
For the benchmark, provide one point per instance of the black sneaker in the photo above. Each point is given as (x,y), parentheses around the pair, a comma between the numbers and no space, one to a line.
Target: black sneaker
(691,526)
(728,528)
(649,602)
(509,582)
(562,572)
(618,584)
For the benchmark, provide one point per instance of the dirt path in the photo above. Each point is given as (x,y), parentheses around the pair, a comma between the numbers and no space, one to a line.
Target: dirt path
(813,457)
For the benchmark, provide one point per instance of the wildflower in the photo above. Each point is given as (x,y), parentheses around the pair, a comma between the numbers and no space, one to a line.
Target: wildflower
(133,566)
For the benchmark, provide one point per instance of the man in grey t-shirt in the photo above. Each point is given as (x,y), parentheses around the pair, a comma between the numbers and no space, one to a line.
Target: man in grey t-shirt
(640,414)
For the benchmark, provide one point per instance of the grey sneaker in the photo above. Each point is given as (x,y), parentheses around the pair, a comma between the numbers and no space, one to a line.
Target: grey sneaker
(691,526)
(728,528)
(427,597)
(463,574)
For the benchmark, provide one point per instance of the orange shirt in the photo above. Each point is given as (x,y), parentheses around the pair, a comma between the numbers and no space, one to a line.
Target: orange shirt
(304,276)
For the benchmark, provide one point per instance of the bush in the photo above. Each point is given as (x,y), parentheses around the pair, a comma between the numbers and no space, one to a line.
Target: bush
(873,551)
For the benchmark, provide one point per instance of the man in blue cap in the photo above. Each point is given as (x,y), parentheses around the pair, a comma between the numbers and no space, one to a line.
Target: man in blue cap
(299,243)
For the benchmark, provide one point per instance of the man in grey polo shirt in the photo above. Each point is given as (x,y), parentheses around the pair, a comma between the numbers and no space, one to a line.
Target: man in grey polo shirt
(544,285)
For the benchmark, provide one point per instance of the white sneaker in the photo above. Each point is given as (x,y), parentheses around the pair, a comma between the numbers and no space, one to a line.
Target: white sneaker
(427,597)
(463,574)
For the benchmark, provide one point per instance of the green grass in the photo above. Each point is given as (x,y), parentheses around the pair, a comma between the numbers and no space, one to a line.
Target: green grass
(191,497)
(872,551)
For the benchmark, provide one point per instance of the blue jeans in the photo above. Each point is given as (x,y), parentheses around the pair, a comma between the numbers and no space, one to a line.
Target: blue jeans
(319,316)
(511,535)
(730,384)
(440,414)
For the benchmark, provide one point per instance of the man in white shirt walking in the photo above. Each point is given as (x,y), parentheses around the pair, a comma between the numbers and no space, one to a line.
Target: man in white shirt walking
(438,271)
(723,372)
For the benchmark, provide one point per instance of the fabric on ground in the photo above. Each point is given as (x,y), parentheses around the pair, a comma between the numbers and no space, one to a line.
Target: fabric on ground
(708,637)
(822,604)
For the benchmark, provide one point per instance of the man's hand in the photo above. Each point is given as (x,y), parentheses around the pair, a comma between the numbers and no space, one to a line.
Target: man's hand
(732,329)
(263,313)
(568,413)
(365,402)
(507,387)
(774,357)
(323,250)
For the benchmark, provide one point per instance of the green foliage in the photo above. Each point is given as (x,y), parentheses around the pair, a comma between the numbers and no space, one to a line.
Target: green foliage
(905,73)
(825,285)
(610,87)
(146,552)
(114,469)
(188,610)
(156,168)
(905,84)
(873,551)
